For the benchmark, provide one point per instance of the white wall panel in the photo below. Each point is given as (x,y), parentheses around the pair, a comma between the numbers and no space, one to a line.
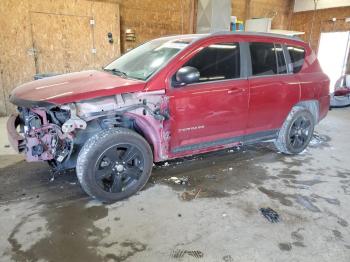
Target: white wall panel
(305,5)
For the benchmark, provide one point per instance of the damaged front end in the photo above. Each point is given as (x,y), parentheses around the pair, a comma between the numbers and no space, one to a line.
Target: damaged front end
(38,134)
(56,133)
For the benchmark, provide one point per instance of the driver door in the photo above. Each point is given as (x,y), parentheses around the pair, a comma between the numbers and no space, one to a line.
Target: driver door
(211,112)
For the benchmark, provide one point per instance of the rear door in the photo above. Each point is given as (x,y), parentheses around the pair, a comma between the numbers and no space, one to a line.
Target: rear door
(274,90)
(212,111)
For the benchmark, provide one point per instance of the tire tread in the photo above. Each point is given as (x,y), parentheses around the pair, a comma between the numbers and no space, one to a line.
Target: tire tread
(281,141)
(88,150)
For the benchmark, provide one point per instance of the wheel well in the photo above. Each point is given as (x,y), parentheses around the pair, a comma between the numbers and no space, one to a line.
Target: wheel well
(150,132)
(312,106)
(139,130)
(130,122)
(97,125)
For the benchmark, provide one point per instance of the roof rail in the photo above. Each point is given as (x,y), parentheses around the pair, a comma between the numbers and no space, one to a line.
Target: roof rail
(258,34)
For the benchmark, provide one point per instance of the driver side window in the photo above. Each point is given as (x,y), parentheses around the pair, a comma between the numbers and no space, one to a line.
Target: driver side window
(217,62)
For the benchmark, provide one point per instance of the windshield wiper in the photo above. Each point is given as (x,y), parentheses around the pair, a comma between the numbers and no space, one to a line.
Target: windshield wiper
(117,72)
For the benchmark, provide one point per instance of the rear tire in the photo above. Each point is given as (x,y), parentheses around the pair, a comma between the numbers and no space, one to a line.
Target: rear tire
(114,164)
(296,132)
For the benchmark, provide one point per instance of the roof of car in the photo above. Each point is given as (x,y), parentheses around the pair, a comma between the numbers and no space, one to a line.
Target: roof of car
(195,37)
(295,38)
(188,37)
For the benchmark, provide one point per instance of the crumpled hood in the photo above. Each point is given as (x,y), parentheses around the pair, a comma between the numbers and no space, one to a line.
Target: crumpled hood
(73,87)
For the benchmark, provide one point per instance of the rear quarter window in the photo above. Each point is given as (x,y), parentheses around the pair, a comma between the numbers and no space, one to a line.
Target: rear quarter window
(297,57)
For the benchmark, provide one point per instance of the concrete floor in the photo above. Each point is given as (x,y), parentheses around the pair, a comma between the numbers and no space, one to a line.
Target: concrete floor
(215,217)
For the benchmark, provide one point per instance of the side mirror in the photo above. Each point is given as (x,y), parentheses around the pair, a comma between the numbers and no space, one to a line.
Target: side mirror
(187,75)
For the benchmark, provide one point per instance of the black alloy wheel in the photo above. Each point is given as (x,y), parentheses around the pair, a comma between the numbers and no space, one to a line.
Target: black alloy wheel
(299,133)
(296,131)
(114,164)
(119,167)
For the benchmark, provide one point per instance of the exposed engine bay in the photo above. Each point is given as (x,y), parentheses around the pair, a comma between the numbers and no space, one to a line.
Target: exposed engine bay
(57,133)
(44,138)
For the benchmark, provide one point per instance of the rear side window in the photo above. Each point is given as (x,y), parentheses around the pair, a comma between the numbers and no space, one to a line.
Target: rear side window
(217,62)
(297,56)
(263,57)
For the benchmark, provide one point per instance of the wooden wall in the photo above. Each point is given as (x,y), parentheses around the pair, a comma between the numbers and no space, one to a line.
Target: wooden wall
(61,33)
(154,18)
(302,21)
(24,22)
(246,9)
(16,66)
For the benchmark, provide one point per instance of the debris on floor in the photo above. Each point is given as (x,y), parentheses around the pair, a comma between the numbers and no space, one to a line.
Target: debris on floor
(6,146)
(235,148)
(270,214)
(190,195)
(209,176)
(179,253)
(317,139)
(179,180)
(227,258)
(203,193)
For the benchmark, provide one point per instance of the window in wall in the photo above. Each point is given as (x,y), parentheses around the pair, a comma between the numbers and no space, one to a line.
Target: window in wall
(217,62)
(297,56)
(263,58)
(281,61)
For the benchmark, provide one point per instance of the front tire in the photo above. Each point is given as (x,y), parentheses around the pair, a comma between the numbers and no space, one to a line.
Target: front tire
(114,164)
(296,132)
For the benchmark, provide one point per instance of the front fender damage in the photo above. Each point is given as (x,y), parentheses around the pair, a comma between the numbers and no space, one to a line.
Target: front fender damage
(56,134)
(148,111)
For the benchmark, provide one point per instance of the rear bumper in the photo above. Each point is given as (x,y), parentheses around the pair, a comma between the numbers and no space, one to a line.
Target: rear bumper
(15,139)
(324,104)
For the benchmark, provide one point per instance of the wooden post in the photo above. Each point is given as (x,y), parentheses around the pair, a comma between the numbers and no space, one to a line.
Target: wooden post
(290,13)
(193,16)
(247,10)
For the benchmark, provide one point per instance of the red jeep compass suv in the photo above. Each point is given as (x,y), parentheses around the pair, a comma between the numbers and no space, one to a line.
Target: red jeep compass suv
(170,97)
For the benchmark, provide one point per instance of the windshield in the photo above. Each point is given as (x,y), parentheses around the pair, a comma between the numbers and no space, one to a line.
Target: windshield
(143,61)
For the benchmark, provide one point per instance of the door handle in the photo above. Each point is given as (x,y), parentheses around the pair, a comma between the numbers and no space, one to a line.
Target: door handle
(235,90)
